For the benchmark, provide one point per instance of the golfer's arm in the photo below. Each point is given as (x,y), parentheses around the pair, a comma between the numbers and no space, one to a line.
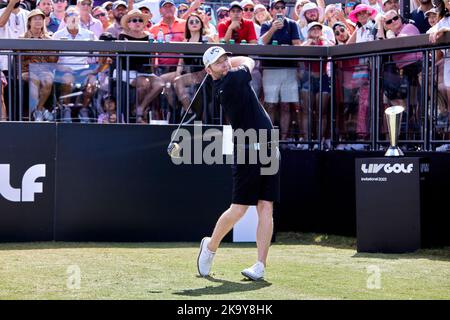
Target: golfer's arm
(239,61)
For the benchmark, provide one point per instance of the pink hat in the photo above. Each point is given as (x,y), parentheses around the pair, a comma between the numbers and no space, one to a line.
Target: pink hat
(362,7)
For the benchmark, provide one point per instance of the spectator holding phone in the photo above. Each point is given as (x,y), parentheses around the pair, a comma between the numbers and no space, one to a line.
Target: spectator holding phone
(280,77)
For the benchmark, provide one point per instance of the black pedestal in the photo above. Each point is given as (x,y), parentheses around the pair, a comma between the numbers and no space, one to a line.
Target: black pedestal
(389,194)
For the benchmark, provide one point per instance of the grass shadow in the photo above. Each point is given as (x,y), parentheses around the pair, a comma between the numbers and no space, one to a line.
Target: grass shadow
(349,243)
(225,287)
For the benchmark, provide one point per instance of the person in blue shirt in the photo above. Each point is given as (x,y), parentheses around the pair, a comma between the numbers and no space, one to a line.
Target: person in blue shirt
(51,22)
(280,82)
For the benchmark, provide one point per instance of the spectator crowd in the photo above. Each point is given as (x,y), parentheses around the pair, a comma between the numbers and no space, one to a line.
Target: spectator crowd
(291,91)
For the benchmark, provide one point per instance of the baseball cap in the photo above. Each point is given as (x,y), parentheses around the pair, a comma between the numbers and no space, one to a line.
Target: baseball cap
(213,54)
(236,4)
(384,1)
(246,3)
(119,3)
(313,24)
(432,10)
(273,2)
(107,3)
(222,9)
(163,2)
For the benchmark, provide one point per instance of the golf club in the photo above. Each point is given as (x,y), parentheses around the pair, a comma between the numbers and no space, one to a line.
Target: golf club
(173,149)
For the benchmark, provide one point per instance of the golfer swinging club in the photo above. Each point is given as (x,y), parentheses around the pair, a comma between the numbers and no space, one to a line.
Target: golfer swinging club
(231,80)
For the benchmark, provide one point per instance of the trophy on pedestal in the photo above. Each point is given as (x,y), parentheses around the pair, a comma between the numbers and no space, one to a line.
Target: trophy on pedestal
(394,118)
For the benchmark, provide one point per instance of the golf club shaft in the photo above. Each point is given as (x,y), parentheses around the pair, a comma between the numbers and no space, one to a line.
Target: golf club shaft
(187,110)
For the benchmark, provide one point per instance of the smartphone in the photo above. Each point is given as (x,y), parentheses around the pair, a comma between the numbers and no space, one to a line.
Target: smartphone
(208,10)
(338,6)
(280,17)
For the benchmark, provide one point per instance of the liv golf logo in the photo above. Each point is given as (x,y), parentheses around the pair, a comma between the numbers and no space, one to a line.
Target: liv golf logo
(387,168)
(29,185)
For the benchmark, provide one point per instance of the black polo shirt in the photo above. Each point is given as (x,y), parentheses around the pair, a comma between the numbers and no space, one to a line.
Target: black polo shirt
(239,101)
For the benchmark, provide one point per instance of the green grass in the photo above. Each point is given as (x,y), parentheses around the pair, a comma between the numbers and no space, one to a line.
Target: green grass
(300,266)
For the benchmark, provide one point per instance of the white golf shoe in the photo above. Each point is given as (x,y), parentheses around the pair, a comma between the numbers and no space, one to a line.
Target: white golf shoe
(255,272)
(205,258)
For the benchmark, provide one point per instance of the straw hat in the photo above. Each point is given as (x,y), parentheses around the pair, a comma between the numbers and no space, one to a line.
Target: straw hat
(35,12)
(135,13)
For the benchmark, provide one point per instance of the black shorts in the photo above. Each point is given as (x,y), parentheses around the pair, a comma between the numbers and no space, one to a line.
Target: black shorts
(249,185)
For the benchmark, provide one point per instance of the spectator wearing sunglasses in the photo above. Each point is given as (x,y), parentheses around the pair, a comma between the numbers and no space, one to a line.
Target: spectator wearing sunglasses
(108,6)
(222,14)
(101,14)
(59,8)
(119,9)
(173,28)
(363,15)
(248,8)
(279,78)
(341,33)
(190,71)
(46,6)
(410,64)
(248,13)
(236,27)
(182,9)
(40,76)
(148,85)
(87,21)
(145,9)
(74,70)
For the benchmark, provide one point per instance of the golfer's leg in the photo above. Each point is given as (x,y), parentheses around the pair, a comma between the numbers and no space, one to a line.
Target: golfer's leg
(225,223)
(265,229)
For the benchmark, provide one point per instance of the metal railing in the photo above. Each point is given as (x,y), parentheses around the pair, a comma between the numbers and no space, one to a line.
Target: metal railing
(427,103)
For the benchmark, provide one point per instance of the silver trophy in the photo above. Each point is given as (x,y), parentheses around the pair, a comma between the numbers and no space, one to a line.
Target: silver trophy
(394,118)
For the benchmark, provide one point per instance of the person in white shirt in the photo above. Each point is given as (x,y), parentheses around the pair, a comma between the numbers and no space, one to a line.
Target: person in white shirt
(87,21)
(13,23)
(74,70)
